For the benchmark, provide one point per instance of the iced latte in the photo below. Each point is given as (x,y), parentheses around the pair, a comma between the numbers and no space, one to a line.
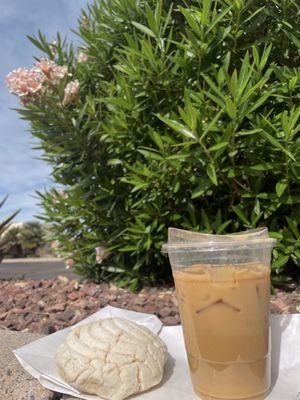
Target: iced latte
(225,317)
(223,296)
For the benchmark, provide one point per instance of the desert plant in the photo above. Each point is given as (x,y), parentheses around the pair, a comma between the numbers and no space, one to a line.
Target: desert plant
(4,225)
(178,113)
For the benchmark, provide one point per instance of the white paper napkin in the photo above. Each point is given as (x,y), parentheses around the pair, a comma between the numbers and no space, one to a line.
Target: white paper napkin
(37,358)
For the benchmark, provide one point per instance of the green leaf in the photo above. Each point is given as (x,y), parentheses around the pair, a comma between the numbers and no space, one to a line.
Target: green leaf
(271,139)
(177,157)
(219,18)
(218,146)
(128,248)
(293,227)
(143,29)
(177,126)
(280,188)
(223,226)
(157,140)
(197,193)
(211,172)
(262,167)
(291,199)
(211,125)
(230,107)
(218,219)
(280,262)
(258,103)
(114,161)
(257,207)
(250,132)
(158,10)
(150,154)
(265,56)
(241,215)
(213,86)
(205,220)
(206,4)
(233,84)
(190,18)
(275,235)
(176,187)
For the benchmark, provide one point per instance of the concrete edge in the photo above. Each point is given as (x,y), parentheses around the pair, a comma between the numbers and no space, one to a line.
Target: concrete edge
(31,260)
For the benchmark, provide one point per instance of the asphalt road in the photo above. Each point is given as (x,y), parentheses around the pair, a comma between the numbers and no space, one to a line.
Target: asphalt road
(45,269)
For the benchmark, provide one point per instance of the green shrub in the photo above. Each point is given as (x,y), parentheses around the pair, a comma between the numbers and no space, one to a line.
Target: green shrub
(31,237)
(187,116)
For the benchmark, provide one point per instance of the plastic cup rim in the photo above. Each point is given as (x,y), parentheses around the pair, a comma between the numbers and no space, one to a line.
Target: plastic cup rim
(213,246)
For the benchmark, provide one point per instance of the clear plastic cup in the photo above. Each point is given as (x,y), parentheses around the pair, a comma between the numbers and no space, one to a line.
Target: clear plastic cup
(176,235)
(223,291)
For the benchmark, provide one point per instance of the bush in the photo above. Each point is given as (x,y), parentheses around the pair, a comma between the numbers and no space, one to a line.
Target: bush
(187,115)
(13,247)
(24,239)
(31,237)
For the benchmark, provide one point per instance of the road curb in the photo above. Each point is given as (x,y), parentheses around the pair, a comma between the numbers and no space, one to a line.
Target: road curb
(31,260)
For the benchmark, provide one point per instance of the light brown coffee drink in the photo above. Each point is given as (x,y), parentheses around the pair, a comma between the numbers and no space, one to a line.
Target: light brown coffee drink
(225,317)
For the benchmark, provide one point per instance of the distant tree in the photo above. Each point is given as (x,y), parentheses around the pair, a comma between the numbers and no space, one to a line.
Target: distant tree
(31,237)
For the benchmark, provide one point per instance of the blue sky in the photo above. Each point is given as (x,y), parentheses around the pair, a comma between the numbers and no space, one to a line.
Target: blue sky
(21,173)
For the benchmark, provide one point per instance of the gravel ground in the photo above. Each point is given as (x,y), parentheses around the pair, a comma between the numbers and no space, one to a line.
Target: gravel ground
(45,306)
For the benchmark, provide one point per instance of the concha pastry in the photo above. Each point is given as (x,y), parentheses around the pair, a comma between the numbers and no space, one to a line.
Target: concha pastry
(112,358)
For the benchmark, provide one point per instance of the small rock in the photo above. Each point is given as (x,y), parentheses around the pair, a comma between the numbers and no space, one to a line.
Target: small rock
(81,304)
(164,311)
(66,315)
(47,283)
(63,279)
(22,284)
(138,308)
(41,304)
(47,328)
(169,321)
(149,308)
(72,296)
(102,302)
(139,301)
(56,307)
(3,315)
(113,288)
(91,290)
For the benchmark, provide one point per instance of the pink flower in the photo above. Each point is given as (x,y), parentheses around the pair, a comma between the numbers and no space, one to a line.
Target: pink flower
(26,84)
(53,73)
(71,92)
(82,57)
